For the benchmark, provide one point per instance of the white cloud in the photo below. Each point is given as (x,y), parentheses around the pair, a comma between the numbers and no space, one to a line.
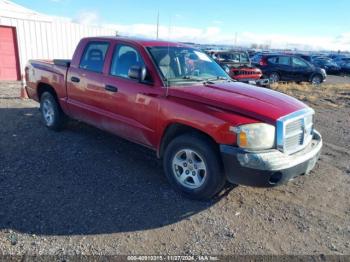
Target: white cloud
(215,35)
(88,18)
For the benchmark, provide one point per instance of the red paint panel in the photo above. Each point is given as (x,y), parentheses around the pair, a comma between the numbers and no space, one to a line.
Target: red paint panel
(9,69)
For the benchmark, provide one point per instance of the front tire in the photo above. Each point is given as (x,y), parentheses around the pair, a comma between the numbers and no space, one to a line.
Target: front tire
(51,113)
(193,167)
(316,80)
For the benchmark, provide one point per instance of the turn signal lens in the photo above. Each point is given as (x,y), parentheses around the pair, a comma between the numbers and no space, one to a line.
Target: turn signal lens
(243,139)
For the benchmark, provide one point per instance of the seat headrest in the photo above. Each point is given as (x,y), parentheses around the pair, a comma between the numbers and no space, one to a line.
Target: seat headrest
(95,54)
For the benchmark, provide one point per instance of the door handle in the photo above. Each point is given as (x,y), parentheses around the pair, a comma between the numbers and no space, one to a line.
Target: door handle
(75,79)
(111,88)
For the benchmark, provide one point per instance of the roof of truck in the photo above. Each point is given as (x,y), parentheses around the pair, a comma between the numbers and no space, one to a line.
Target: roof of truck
(141,41)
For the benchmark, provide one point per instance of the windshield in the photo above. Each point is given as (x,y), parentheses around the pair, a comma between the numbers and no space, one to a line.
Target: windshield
(182,65)
(229,57)
(234,57)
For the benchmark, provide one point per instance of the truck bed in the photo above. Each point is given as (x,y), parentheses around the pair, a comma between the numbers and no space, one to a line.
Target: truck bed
(50,72)
(57,62)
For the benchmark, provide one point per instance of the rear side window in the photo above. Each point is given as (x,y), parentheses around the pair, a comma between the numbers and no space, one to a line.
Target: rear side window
(124,58)
(284,60)
(272,60)
(94,56)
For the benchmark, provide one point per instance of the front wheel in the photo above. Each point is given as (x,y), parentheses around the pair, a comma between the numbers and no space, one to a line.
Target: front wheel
(193,167)
(316,80)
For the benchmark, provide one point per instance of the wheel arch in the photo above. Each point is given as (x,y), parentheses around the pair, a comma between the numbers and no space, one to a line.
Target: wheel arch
(44,87)
(316,74)
(176,129)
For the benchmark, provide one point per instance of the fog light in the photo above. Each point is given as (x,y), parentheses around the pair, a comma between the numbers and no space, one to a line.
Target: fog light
(275,178)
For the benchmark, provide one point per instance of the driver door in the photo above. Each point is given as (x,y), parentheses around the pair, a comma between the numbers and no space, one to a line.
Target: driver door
(301,70)
(135,103)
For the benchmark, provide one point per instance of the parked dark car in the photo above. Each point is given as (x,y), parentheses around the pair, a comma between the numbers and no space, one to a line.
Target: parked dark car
(346,68)
(344,63)
(327,64)
(310,58)
(280,67)
(342,60)
(338,56)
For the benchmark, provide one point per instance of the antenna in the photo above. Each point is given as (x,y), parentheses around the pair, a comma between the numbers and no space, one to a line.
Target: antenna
(167,77)
(158,25)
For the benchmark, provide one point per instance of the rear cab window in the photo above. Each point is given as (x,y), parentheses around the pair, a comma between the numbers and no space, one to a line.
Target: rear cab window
(94,56)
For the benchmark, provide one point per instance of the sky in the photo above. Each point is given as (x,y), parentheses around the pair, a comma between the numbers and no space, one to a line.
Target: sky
(303,24)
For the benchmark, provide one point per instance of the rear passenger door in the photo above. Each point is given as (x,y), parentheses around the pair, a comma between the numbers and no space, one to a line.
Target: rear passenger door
(285,67)
(85,87)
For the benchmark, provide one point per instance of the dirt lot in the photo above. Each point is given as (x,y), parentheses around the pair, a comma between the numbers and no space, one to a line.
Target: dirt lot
(332,79)
(83,191)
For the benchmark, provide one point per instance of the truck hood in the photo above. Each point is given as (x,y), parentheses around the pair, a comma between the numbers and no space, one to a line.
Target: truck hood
(256,102)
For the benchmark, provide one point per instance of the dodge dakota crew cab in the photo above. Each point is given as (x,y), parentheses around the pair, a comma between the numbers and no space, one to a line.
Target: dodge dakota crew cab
(206,128)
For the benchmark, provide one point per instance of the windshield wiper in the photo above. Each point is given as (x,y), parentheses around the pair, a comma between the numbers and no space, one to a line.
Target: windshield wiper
(198,79)
(179,79)
(218,78)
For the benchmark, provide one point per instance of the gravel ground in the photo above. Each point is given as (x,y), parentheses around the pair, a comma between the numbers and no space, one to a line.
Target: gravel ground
(332,79)
(83,191)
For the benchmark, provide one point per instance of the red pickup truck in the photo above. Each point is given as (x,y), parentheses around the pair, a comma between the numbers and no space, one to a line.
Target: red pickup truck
(176,100)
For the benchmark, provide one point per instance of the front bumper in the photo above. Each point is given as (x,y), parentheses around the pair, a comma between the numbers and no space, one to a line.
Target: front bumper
(271,167)
(258,82)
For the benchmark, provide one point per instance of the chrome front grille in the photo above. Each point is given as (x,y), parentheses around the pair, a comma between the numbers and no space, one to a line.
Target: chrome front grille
(294,131)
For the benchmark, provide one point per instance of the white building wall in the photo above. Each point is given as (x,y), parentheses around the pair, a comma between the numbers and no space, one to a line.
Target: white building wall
(49,38)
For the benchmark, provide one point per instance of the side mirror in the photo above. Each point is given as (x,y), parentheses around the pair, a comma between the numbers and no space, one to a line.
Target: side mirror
(138,73)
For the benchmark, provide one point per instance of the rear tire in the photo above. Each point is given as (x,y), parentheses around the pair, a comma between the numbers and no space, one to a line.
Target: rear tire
(51,112)
(193,167)
(274,77)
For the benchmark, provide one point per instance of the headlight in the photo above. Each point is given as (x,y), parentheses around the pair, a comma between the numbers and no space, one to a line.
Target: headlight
(255,136)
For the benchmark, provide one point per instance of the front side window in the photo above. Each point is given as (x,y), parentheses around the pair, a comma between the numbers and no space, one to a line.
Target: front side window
(94,56)
(124,58)
(182,65)
(298,62)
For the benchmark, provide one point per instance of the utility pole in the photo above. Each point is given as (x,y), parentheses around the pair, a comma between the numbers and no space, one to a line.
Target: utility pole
(158,25)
